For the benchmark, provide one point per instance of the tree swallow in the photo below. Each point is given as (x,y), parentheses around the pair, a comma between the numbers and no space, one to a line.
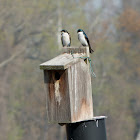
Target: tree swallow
(65,38)
(82,37)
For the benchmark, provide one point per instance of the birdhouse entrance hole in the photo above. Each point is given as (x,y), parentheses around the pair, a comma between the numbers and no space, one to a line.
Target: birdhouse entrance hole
(57,75)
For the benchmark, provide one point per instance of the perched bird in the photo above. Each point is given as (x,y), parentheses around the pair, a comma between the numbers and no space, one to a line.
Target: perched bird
(65,38)
(82,37)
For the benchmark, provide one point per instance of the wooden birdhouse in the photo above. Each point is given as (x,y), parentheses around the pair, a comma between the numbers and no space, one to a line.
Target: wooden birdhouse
(67,81)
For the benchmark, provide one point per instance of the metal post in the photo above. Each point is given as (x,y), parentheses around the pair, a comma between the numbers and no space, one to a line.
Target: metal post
(87,130)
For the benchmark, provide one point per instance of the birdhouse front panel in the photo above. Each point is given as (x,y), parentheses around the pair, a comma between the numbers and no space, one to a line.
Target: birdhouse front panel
(58,101)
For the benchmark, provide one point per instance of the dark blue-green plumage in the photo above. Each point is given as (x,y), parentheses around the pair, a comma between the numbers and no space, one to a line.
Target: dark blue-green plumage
(86,40)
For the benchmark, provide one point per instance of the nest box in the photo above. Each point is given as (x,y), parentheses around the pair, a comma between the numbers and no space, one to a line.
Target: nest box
(67,81)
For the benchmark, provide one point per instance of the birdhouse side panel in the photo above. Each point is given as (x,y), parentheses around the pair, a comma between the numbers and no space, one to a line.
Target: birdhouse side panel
(58,103)
(80,92)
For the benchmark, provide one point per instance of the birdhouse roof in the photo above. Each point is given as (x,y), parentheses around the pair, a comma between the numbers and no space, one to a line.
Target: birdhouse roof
(68,58)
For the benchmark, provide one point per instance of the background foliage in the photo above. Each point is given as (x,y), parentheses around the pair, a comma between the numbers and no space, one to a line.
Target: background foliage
(30,35)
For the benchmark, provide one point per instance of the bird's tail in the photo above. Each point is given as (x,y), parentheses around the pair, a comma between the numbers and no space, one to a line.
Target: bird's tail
(90,50)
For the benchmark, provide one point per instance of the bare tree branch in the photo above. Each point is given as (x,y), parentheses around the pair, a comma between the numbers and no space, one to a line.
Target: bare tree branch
(5,62)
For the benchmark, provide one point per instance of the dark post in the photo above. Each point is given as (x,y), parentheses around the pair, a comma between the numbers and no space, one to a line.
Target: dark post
(87,130)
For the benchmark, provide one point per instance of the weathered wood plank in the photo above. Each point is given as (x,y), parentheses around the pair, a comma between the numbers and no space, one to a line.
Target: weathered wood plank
(69,57)
(68,87)
(69,94)
(61,62)
(80,92)
(74,50)
(58,101)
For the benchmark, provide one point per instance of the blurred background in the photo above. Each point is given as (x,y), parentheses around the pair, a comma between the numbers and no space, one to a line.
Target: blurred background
(30,35)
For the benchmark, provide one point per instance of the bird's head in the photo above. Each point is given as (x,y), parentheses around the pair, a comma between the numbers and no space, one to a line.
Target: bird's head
(64,31)
(79,30)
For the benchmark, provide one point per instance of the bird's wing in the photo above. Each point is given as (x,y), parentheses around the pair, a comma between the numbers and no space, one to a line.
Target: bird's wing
(86,38)
(70,39)
(90,49)
(62,40)
(85,35)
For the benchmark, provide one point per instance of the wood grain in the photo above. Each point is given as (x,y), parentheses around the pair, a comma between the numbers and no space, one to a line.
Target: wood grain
(74,50)
(80,92)
(58,101)
(65,60)
(68,87)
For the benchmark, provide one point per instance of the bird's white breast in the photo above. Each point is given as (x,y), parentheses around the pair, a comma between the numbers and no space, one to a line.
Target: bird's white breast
(82,39)
(66,38)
